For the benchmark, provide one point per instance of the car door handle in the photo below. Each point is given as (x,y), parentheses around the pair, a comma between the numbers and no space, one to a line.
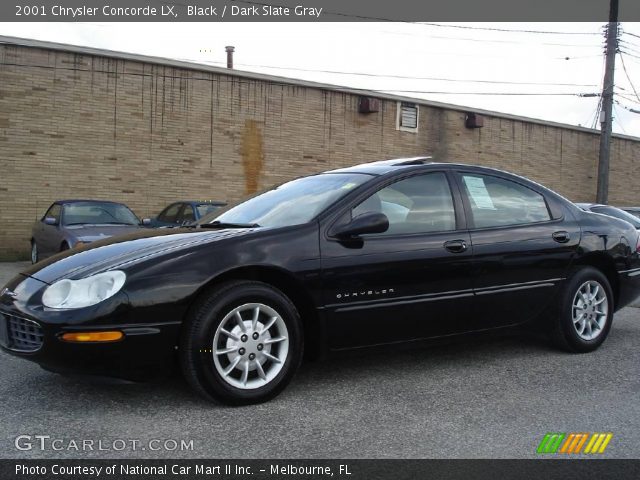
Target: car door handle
(561,236)
(455,246)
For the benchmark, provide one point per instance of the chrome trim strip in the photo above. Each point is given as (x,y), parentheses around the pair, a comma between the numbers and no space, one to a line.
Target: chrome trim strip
(392,302)
(508,285)
(630,270)
(431,297)
(633,274)
(513,289)
(405,297)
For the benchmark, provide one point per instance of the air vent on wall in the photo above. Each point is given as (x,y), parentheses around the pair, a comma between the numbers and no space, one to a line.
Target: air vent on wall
(368,105)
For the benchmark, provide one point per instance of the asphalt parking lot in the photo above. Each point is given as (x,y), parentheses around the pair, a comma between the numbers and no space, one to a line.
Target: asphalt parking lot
(481,398)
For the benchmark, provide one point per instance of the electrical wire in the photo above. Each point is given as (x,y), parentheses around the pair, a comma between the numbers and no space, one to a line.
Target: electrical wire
(632,110)
(492,93)
(624,67)
(248,81)
(508,30)
(631,34)
(628,98)
(405,77)
(615,118)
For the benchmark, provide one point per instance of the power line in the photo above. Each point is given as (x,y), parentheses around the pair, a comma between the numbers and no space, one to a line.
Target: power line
(628,98)
(630,54)
(248,81)
(615,117)
(631,34)
(584,95)
(405,77)
(632,110)
(624,67)
(490,40)
(385,19)
(494,29)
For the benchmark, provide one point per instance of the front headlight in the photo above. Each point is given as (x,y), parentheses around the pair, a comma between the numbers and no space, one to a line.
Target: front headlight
(83,293)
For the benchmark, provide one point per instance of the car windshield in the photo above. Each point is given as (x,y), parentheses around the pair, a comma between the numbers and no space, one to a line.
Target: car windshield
(291,203)
(206,209)
(82,213)
(621,214)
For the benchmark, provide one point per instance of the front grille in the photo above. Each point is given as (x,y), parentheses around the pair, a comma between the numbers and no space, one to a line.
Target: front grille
(23,335)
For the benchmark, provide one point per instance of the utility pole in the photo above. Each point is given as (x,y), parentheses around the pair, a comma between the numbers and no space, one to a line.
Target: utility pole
(602,195)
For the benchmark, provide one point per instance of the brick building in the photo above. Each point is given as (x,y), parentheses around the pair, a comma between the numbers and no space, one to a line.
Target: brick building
(80,122)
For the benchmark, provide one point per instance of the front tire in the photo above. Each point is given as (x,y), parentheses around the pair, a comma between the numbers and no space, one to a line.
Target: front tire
(242,343)
(585,312)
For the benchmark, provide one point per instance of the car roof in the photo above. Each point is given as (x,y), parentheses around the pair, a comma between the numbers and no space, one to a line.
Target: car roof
(384,166)
(81,200)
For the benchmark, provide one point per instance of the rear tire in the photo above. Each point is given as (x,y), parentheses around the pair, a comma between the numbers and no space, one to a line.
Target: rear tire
(585,312)
(242,343)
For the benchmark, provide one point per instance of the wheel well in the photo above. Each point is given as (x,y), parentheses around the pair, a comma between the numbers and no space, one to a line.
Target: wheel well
(289,286)
(605,264)
(62,245)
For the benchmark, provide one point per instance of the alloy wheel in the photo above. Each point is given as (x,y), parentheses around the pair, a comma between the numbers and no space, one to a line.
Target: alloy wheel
(590,310)
(250,346)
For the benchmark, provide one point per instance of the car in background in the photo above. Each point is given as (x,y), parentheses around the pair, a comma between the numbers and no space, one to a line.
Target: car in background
(635,211)
(182,213)
(73,223)
(611,212)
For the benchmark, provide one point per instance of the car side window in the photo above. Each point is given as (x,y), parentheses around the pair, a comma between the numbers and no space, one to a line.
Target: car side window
(53,212)
(188,215)
(170,214)
(498,202)
(418,204)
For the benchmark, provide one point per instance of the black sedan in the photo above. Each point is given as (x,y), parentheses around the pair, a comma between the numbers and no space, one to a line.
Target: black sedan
(379,253)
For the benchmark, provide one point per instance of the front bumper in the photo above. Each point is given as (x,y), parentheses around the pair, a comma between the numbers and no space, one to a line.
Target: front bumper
(29,331)
(144,351)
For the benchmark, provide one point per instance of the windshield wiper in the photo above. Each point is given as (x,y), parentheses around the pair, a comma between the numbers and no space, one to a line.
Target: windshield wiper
(219,224)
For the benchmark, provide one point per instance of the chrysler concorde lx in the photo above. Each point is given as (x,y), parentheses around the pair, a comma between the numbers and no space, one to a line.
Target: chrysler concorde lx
(379,253)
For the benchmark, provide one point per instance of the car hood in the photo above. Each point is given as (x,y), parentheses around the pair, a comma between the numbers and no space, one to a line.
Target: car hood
(92,233)
(118,251)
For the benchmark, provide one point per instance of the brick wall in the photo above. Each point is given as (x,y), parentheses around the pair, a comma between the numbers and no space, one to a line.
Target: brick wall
(77,125)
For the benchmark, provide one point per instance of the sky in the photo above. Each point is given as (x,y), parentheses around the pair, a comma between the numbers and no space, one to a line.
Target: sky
(457,63)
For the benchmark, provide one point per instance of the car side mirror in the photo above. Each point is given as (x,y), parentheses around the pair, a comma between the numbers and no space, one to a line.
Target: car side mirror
(369,222)
(50,221)
(145,222)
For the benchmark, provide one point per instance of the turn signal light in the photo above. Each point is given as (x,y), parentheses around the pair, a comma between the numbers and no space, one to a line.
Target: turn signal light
(92,336)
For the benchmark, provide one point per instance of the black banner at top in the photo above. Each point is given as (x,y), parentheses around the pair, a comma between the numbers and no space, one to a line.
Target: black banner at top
(314,10)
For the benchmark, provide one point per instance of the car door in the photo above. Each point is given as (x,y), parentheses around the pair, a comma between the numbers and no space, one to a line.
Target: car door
(49,237)
(169,216)
(187,215)
(522,250)
(409,282)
